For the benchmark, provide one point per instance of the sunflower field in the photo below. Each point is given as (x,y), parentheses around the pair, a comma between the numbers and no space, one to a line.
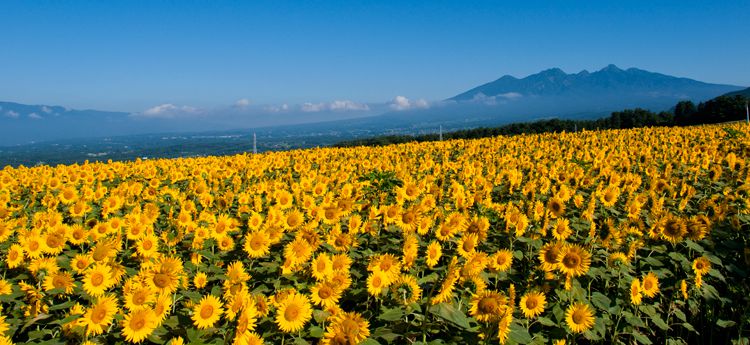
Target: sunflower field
(622,236)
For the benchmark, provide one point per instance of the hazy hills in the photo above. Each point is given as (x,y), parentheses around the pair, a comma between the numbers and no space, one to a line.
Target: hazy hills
(550,93)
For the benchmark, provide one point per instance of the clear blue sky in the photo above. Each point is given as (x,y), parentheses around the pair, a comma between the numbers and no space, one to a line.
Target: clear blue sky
(131,55)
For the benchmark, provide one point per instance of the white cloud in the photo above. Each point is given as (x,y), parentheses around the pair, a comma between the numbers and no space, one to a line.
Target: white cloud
(277,108)
(510,95)
(403,103)
(338,105)
(347,105)
(35,116)
(169,110)
(13,114)
(241,103)
(313,107)
(46,109)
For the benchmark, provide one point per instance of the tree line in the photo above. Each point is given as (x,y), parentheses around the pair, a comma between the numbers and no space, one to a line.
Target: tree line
(685,113)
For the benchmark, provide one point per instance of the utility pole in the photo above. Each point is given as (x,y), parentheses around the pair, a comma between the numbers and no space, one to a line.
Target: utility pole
(441,132)
(747,114)
(575,127)
(255,144)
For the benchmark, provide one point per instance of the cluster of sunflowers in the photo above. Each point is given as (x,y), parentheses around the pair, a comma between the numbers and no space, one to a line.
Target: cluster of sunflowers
(607,236)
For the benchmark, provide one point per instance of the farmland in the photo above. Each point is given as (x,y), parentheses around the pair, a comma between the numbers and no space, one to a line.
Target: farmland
(615,236)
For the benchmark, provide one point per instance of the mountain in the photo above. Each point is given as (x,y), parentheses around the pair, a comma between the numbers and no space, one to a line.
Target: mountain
(744,93)
(551,93)
(609,81)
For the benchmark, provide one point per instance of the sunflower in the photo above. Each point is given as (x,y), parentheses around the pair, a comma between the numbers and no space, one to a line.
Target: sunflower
(293,312)
(298,251)
(574,260)
(412,289)
(579,317)
(467,245)
(200,280)
(59,280)
(207,312)
(97,280)
(68,195)
(650,284)
(479,227)
(635,292)
(341,262)
(100,315)
(434,252)
(148,245)
(609,195)
(139,298)
(6,288)
(503,326)
(322,267)
(701,265)
(346,328)
(449,284)
(673,229)
(325,294)
(532,304)
(138,325)
(377,282)
(561,230)
(488,305)
(162,306)
(697,227)
(257,244)
(501,260)
(386,263)
(15,256)
(555,207)
(549,256)
(293,219)
(80,263)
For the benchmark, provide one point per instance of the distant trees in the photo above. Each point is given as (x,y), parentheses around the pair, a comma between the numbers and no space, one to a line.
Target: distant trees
(684,113)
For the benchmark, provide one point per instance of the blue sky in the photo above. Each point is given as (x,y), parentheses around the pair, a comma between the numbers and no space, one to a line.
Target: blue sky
(133,55)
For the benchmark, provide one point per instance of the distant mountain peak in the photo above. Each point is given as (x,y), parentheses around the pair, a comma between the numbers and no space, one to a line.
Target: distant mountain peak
(611,68)
(610,81)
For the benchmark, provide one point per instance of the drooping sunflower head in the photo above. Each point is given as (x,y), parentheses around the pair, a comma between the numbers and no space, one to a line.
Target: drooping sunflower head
(635,292)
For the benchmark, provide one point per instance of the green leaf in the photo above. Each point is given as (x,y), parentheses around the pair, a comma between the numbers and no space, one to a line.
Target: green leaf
(680,315)
(546,322)
(600,300)
(653,261)
(64,305)
(369,341)
(519,334)
(450,313)
(689,327)
(659,322)
(694,246)
(725,323)
(316,332)
(639,337)
(300,341)
(391,314)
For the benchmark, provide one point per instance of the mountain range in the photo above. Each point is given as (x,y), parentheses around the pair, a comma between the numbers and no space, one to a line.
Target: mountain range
(550,93)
